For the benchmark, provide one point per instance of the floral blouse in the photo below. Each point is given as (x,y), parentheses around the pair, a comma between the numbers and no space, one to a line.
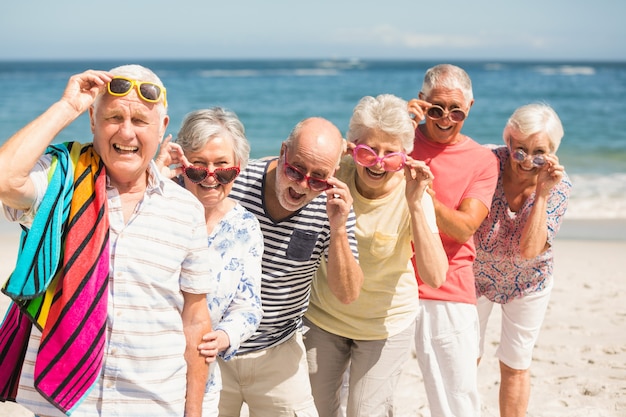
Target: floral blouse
(501,273)
(236,247)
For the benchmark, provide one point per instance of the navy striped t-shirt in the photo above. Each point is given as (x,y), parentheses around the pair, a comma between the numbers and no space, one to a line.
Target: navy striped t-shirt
(293,250)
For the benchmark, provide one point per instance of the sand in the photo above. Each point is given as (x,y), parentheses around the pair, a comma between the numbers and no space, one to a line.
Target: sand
(579,362)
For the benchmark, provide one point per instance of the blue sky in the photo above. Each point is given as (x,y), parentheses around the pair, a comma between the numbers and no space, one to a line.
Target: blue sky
(376,29)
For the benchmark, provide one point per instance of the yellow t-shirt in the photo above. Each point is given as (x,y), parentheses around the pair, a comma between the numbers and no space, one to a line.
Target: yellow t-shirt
(389,298)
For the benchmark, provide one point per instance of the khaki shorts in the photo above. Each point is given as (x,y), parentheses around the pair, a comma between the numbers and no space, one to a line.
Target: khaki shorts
(273,382)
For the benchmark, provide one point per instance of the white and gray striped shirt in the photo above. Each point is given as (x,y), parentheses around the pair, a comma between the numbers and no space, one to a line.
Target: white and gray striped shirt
(161,251)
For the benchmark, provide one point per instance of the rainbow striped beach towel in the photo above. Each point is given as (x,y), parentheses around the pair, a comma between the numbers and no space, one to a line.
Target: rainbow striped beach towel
(60,283)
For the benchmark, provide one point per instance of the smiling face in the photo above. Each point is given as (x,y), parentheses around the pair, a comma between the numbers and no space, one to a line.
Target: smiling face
(444,130)
(314,152)
(126,134)
(217,153)
(317,164)
(537,144)
(374,182)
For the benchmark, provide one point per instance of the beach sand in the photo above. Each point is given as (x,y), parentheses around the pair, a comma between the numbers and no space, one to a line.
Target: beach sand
(579,362)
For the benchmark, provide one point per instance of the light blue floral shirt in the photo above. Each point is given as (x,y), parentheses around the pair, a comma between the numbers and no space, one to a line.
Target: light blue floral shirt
(236,247)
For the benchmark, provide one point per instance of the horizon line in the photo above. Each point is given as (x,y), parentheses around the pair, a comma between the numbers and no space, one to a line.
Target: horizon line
(327,58)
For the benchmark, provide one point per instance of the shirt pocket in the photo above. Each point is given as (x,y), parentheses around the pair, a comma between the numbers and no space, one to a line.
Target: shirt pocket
(301,245)
(383,245)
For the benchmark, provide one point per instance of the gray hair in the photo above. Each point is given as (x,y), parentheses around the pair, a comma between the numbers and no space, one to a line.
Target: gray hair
(449,77)
(141,73)
(201,126)
(385,113)
(534,118)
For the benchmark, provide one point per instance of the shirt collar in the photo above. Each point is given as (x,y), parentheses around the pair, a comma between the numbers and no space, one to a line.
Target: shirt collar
(156,182)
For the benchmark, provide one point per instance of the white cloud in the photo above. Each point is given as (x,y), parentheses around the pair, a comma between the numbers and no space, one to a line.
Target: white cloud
(387,35)
(390,36)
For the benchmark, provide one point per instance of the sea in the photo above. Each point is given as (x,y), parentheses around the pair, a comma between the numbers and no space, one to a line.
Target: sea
(271,96)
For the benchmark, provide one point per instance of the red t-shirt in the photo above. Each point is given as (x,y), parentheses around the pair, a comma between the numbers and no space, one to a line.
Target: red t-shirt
(462,170)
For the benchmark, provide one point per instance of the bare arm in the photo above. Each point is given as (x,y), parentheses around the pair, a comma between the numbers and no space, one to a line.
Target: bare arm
(460,224)
(534,239)
(20,153)
(196,322)
(345,277)
(430,257)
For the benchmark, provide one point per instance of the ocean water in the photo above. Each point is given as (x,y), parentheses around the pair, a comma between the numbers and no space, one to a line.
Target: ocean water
(271,96)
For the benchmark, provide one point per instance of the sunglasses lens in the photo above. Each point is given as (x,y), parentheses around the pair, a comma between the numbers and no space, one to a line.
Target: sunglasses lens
(196,174)
(457,116)
(539,160)
(293,174)
(226,175)
(435,112)
(318,185)
(120,86)
(365,156)
(393,162)
(519,155)
(150,92)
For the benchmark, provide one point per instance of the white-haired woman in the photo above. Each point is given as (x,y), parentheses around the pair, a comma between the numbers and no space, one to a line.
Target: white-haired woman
(394,213)
(514,260)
